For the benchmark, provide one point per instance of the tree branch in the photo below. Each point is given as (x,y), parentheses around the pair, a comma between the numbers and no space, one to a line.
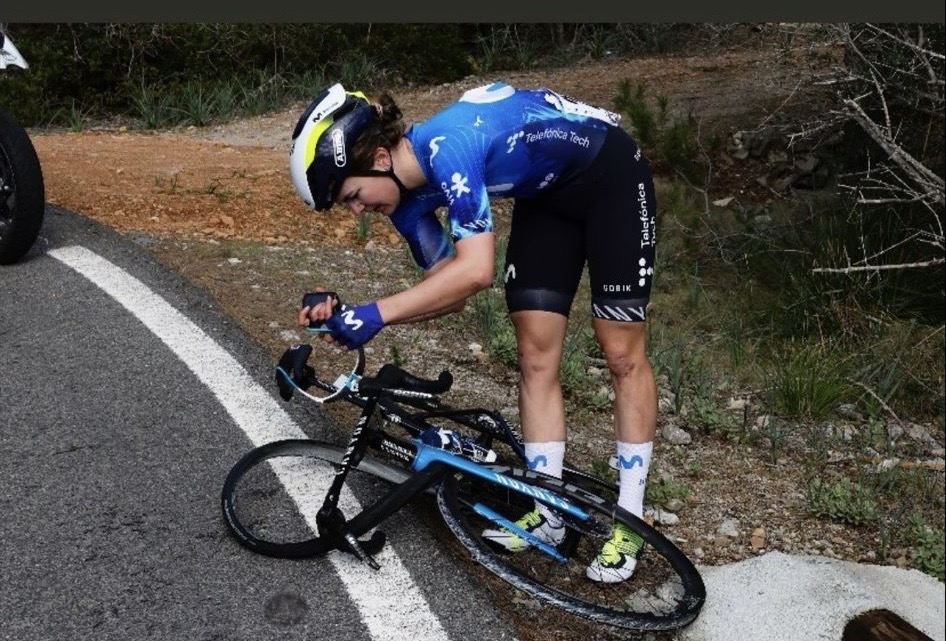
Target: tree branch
(872,268)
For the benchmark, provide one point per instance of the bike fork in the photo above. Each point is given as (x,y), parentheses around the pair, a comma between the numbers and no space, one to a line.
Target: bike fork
(334,526)
(331,521)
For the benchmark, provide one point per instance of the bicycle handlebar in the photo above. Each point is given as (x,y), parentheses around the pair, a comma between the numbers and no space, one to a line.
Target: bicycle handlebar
(294,374)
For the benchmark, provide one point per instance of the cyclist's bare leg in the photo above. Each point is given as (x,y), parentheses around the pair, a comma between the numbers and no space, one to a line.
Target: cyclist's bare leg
(635,390)
(635,405)
(539,337)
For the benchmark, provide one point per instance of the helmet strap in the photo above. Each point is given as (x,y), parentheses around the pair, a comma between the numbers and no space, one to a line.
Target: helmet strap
(384,172)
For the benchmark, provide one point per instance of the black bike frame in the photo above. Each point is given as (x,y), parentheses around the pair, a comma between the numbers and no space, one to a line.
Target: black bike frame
(430,465)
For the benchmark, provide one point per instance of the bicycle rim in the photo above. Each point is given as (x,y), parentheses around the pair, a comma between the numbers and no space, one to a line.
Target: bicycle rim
(270,497)
(666,591)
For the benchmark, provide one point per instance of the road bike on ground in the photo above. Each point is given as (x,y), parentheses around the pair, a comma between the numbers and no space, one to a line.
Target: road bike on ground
(475,472)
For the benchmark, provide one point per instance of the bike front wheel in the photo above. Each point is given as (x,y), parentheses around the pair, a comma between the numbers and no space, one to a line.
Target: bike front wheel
(271,496)
(665,592)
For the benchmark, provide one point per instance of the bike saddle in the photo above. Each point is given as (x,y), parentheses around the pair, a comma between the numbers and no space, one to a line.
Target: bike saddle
(292,373)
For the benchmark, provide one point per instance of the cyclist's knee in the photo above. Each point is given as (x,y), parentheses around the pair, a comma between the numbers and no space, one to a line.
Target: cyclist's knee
(538,362)
(624,348)
(624,364)
(539,339)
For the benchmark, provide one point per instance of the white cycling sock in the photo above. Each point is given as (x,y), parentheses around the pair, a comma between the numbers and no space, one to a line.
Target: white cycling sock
(633,466)
(547,457)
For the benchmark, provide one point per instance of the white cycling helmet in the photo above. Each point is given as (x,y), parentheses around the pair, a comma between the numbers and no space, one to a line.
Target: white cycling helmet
(9,56)
(321,154)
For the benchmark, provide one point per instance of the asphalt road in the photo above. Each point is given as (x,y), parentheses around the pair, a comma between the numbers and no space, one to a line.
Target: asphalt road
(125,397)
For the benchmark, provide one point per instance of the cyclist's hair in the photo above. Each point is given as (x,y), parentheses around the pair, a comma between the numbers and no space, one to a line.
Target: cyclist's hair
(384,131)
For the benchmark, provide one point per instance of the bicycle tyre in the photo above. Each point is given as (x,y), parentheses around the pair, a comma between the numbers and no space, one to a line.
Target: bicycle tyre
(666,591)
(261,513)
(22,193)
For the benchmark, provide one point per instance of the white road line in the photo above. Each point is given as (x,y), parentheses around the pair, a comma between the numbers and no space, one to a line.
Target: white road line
(390,603)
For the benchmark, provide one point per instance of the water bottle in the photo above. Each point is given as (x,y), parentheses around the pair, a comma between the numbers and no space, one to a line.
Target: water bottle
(450,441)
(438,437)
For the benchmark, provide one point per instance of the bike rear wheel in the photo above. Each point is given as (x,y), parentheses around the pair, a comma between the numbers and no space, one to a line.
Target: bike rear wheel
(666,591)
(265,495)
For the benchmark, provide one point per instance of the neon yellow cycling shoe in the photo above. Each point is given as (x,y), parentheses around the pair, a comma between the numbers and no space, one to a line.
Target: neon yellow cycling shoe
(618,556)
(534,523)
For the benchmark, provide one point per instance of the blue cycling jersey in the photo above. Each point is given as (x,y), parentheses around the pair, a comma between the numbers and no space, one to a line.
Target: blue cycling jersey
(495,141)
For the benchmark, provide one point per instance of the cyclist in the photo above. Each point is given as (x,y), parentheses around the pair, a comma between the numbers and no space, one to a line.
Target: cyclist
(582,192)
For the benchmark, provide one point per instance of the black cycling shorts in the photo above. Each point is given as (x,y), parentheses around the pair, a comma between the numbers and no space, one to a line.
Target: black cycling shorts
(604,216)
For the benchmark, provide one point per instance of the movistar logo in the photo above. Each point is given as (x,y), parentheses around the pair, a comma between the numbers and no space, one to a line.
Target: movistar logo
(338,147)
(349,318)
(435,145)
(634,461)
(534,463)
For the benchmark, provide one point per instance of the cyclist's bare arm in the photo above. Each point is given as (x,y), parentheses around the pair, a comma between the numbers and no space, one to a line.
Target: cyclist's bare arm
(445,286)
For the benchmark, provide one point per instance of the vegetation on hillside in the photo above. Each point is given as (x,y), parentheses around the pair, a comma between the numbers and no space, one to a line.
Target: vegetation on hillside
(161,74)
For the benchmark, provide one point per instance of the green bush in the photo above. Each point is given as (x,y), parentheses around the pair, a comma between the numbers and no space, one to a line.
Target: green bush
(671,143)
(494,326)
(807,381)
(844,501)
(930,547)
(660,491)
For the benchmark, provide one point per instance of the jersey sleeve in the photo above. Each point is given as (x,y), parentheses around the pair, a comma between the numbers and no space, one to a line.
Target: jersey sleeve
(458,165)
(425,236)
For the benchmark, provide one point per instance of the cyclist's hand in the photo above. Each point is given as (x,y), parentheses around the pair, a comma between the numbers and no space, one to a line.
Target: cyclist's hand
(355,325)
(317,306)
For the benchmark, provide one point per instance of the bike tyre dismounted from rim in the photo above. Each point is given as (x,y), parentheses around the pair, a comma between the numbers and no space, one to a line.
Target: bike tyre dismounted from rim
(666,591)
(22,193)
(260,522)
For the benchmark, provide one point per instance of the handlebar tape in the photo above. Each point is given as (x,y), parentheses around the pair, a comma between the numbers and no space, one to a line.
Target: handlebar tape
(391,377)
